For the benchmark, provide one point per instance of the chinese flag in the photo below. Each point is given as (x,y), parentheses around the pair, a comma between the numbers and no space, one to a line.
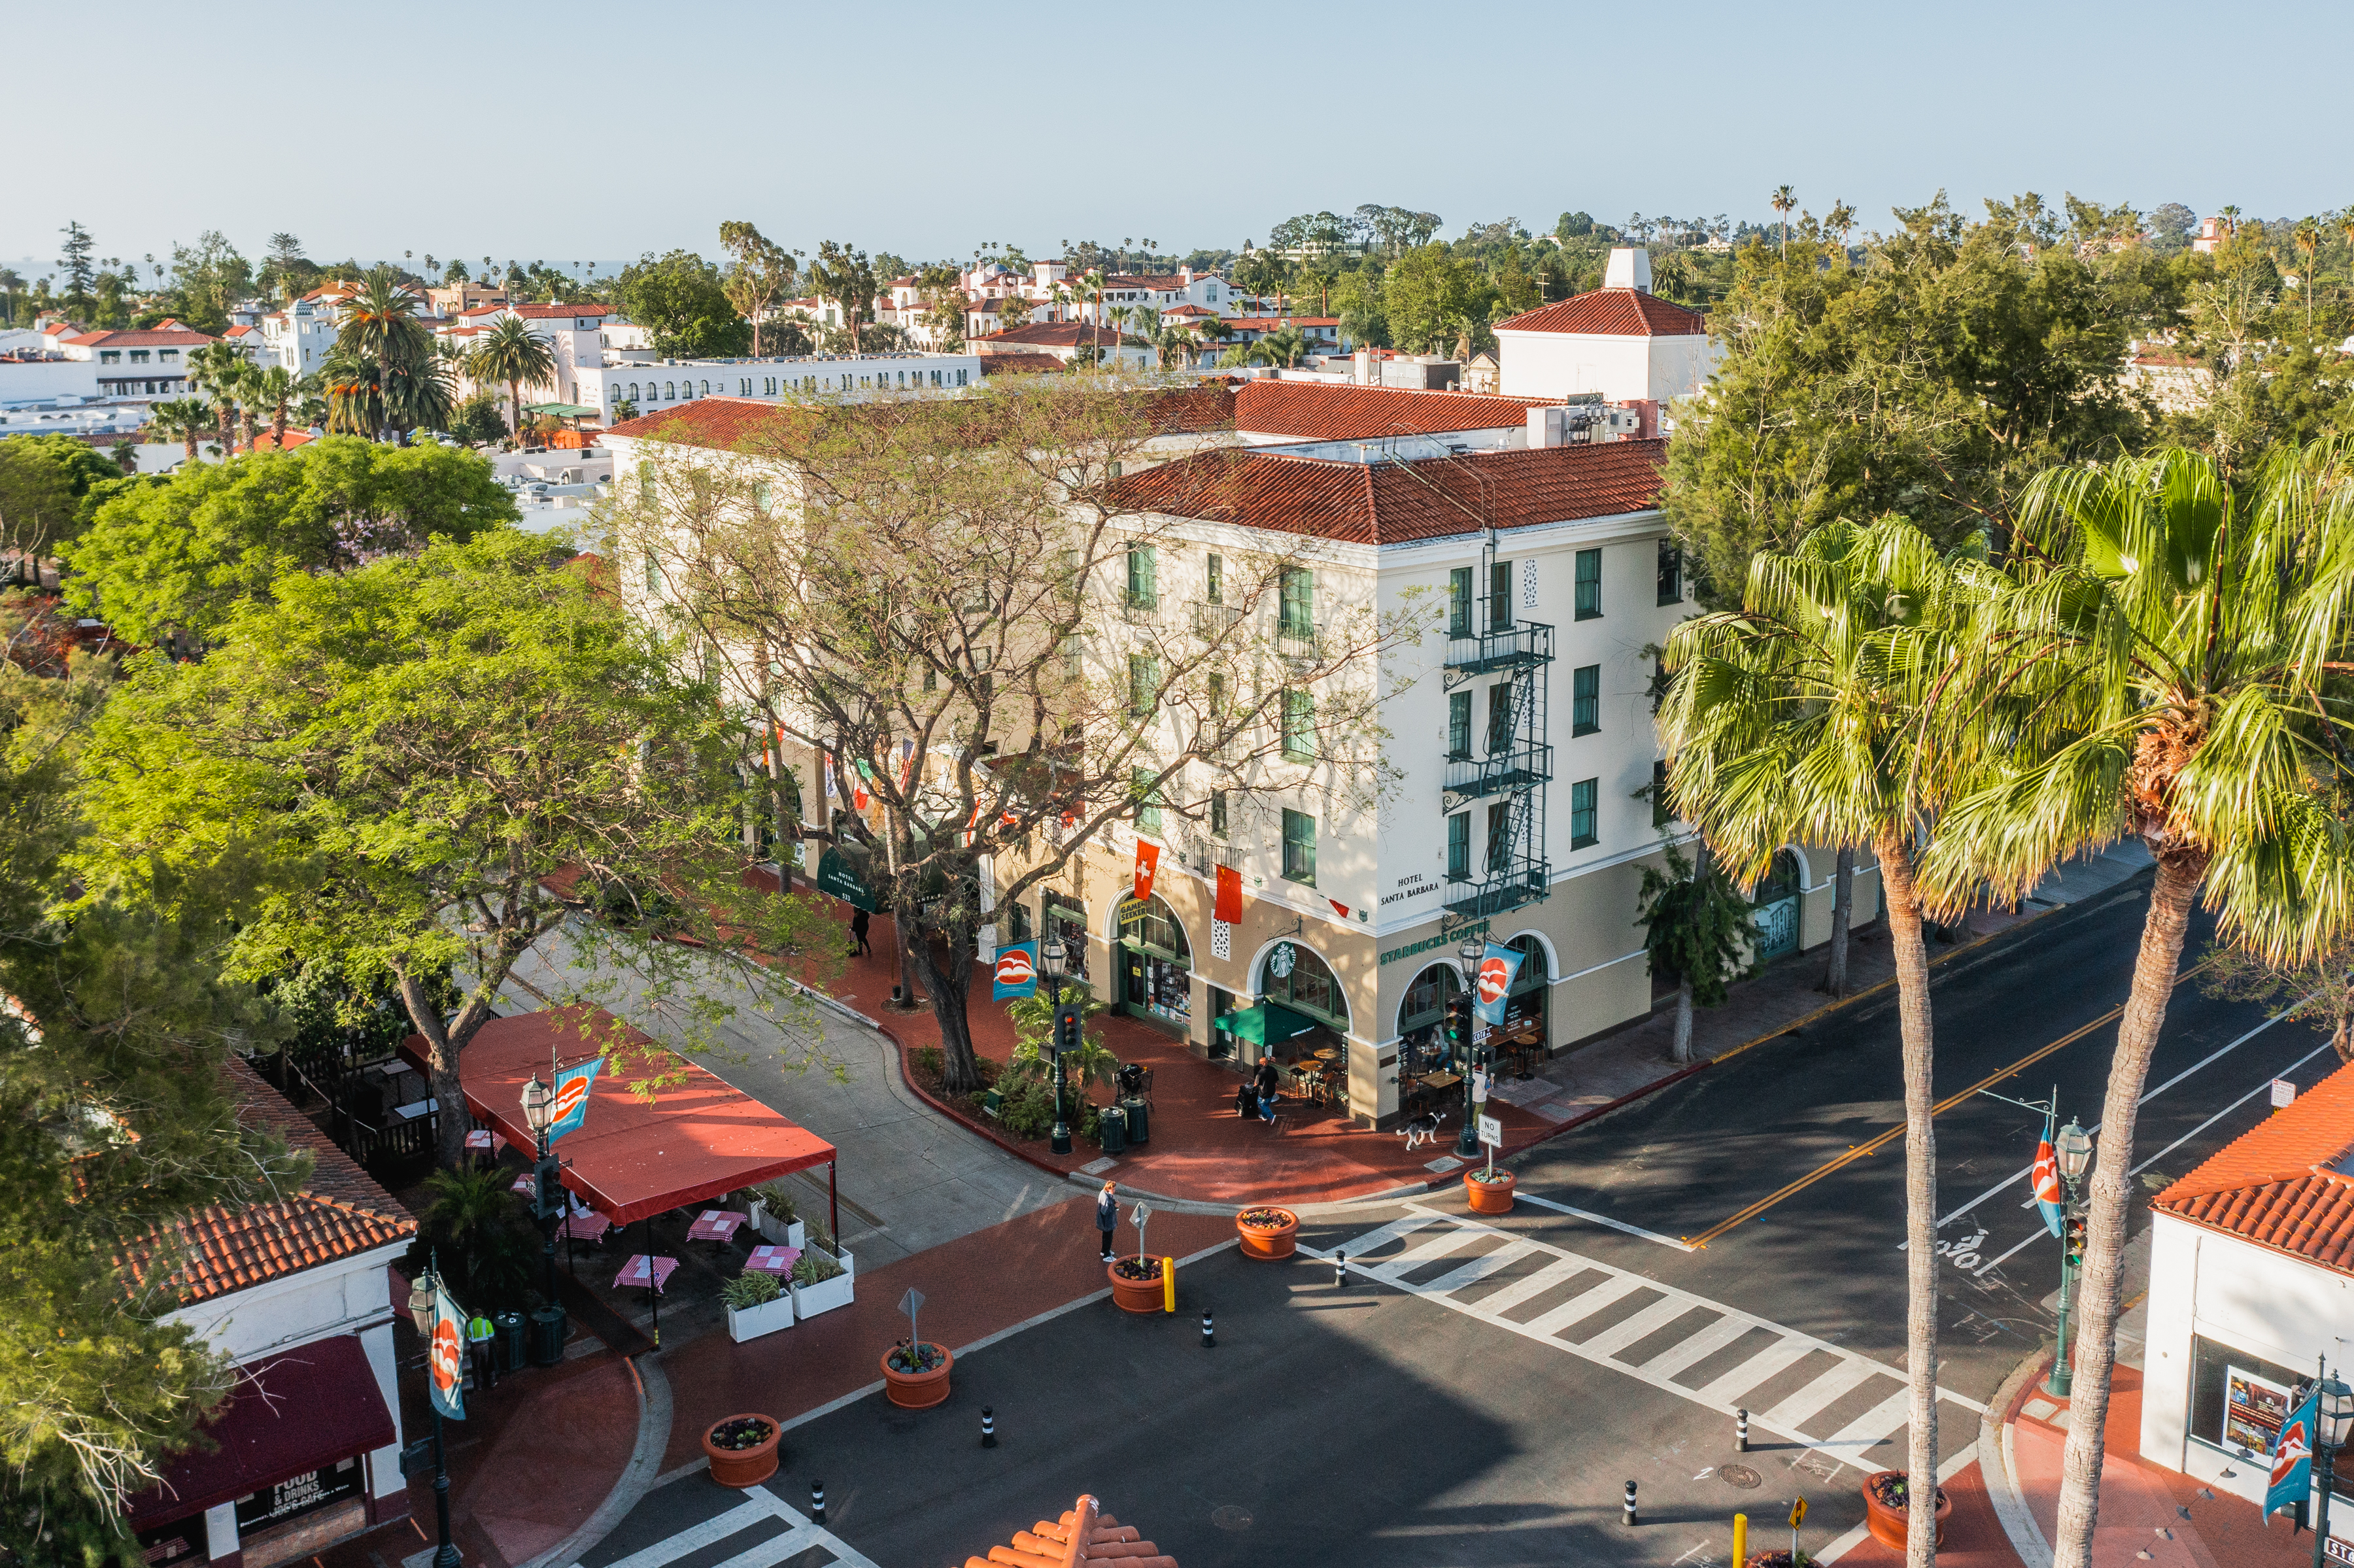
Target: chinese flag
(1339,907)
(1148,860)
(1229,907)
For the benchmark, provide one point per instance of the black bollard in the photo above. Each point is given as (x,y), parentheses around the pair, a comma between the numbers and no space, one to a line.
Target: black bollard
(1631,1517)
(1340,1271)
(817,1501)
(988,1428)
(1209,1333)
(1741,1431)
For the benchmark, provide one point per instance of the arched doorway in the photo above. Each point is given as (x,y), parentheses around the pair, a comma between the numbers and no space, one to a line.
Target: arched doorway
(1528,1006)
(1296,976)
(1777,908)
(1420,1015)
(1155,963)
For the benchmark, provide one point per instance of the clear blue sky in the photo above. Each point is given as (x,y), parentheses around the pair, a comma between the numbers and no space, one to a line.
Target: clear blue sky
(927,129)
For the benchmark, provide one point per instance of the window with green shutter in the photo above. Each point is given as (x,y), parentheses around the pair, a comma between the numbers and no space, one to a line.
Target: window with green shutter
(1500,597)
(1299,726)
(1589,583)
(1459,847)
(1585,699)
(1672,572)
(653,573)
(1143,684)
(1585,827)
(1299,606)
(1500,837)
(1217,813)
(1147,797)
(1216,588)
(1458,726)
(1298,847)
(1459,602)
(1143,572)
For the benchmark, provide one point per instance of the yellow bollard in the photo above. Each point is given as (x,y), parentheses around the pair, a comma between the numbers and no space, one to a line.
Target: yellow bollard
(1169,1285)
(1740,1540)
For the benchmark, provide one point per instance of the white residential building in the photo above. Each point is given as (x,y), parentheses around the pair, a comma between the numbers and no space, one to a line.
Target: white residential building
(1619,340)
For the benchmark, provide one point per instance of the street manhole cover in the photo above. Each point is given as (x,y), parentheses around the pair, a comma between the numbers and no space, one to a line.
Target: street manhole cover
(1233,1518)
(1740,1476)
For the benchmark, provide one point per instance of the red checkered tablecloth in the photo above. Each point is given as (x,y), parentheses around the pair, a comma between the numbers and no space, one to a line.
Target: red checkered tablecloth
(633,1273)
(778,1260)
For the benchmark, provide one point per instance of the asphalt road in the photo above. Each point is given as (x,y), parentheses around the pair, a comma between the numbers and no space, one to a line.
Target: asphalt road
(1481,1392)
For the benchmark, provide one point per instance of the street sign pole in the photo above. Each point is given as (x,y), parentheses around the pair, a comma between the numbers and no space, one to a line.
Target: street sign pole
(910,1304)
(1142,1212)
(1797,1518)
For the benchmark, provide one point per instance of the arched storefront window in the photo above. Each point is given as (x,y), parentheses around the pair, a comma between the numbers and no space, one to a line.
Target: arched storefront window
(1066,920)
(1156,963)
(1294,976)
(1777,904)
(1527,1005)
(1425,1006)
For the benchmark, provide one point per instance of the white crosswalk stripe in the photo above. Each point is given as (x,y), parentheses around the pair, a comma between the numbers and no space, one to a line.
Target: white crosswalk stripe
(1719,1327)
(761,1505)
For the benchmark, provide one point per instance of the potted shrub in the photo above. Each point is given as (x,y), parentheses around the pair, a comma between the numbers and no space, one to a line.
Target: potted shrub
(822,1276)
(774,1219)
(1780,1559)
(1887,1508)
(1136,1284)
(742,1449)
(1490,1190)
(757,1304)
(1268,1232)
(915,1377)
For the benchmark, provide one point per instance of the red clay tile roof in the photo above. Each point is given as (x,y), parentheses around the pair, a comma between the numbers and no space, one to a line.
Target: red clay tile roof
(1616,313)
(720,423)
(2287,1184)
(1060,335)
(1276,323)
(550,313)
(1383,504)
(1019,364)
(1320,410)
(216,1250)
(167,336)
(1085,1534)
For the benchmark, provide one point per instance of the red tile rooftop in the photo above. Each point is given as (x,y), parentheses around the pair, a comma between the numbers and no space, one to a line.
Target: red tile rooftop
(1610,313)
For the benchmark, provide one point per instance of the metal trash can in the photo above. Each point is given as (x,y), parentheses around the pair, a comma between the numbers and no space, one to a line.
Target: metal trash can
(510,1341)
(1139,1119)
(1113,1127)
(547,1329)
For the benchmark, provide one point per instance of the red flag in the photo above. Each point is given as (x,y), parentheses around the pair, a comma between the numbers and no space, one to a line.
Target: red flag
(1340,908)
(1229,907)
(1148,860)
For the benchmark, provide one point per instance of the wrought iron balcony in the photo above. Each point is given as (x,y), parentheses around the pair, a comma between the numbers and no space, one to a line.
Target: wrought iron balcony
(1299,641)
(1506,648)
(1524,882)
(1215,623)
(1522,767)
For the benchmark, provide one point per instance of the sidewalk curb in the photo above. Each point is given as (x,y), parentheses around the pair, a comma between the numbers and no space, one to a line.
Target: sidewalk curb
(2000,1472)
(637,1478)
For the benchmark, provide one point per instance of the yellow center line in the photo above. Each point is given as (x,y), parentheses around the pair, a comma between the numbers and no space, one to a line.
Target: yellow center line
(1881,1140)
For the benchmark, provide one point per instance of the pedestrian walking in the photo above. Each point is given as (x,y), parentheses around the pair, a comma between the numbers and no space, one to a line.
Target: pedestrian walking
(1267,1079)
(858,918)
(1106,1216)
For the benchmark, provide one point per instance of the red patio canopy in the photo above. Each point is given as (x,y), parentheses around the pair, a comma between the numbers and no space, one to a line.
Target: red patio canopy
(630,1159)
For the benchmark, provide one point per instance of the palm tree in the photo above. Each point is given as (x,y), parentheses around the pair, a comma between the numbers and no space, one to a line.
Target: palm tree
(183,419)
(355,405)
(509,353)
(1800,717)
(1783,202)
(274,387)
(2308,241)
(1280,349)
(2156,667)
(219,370)
(380,326)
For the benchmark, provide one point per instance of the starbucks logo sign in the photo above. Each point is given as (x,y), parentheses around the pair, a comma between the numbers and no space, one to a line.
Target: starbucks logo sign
(1282,961)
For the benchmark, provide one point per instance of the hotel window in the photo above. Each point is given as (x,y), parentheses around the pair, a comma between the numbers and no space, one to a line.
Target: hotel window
(1298,847)
(110,357)
(1299,726)
(1141,790)
(1582,825)
(653,573)
(1458,726)
(669,392)
(1672,572)
(1459,602)
(646,484)
(1499,717)
(1589,583)
(1459,847)
(634,391)
(1499,596)
(1143,684)
(761,495)
(1216,578)
(1661,815)
(706,389)
(1143,592)
(1217,813)
(1296,611)
(1585,699)
(165,356)
(138,356)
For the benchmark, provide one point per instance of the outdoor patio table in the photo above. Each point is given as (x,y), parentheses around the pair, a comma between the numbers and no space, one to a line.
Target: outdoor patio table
(715,1225)
(413,1110)
(589,1228)
(633,1273)
(777,1260)
(1441,1080)
(481,1138)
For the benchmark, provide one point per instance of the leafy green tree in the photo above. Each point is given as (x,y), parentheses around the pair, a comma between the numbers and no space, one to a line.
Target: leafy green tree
(286,273)
(207,277)
(1425,293)
(512,353)
(1801,717)
(430,765)
(478,422)
(1357,300)
(681,301)
(80,272)
(843,274)
(2155,667)
(175,559)
(113,1122)
(761,274)
(44,481)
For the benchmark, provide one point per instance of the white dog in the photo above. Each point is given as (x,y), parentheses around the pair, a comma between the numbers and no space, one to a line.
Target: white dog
(1422,1130)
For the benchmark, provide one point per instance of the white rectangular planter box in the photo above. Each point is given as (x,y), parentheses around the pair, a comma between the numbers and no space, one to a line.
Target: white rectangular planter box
(751,1322)
(827,1294)
(775,1231)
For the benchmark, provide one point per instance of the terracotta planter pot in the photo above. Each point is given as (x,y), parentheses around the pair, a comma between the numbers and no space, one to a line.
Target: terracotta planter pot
(1490,1197)
(742,1466)
(1889,1525)
(918,1391)
(1269,1244)
(1136,1295)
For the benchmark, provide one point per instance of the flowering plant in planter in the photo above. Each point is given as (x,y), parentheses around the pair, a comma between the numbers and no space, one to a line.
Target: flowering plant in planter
(907,1358)
(1263,1219)
(1495,1177)
(744,1432)
(1136,1269)
(1890,1490)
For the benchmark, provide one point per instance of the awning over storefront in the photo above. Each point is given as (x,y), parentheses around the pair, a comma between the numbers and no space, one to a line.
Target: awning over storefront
(629,1159)
(1267,1024)
(290,1414)
(559,411)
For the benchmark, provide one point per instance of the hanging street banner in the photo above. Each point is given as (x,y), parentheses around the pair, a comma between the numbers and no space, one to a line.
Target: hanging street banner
(446,1356)
(572,1086)
(2292,1457)
(2049,1198)
(1229,907)
(1148,860)
(1017,972)
(1494,984)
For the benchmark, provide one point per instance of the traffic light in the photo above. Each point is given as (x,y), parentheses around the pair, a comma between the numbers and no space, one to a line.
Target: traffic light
(548,1200)
(1458,1025)
(2072,1237)
(1067,1026)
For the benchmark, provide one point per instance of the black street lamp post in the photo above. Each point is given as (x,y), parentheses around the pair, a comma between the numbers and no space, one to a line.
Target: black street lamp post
(1467,1144)
(2333,1424)
(1055,958)
(548,1207)
(425,1314)
(2073,1150)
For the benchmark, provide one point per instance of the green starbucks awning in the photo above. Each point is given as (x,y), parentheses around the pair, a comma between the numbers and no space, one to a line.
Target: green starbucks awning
(836,875)
(1267,1024)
